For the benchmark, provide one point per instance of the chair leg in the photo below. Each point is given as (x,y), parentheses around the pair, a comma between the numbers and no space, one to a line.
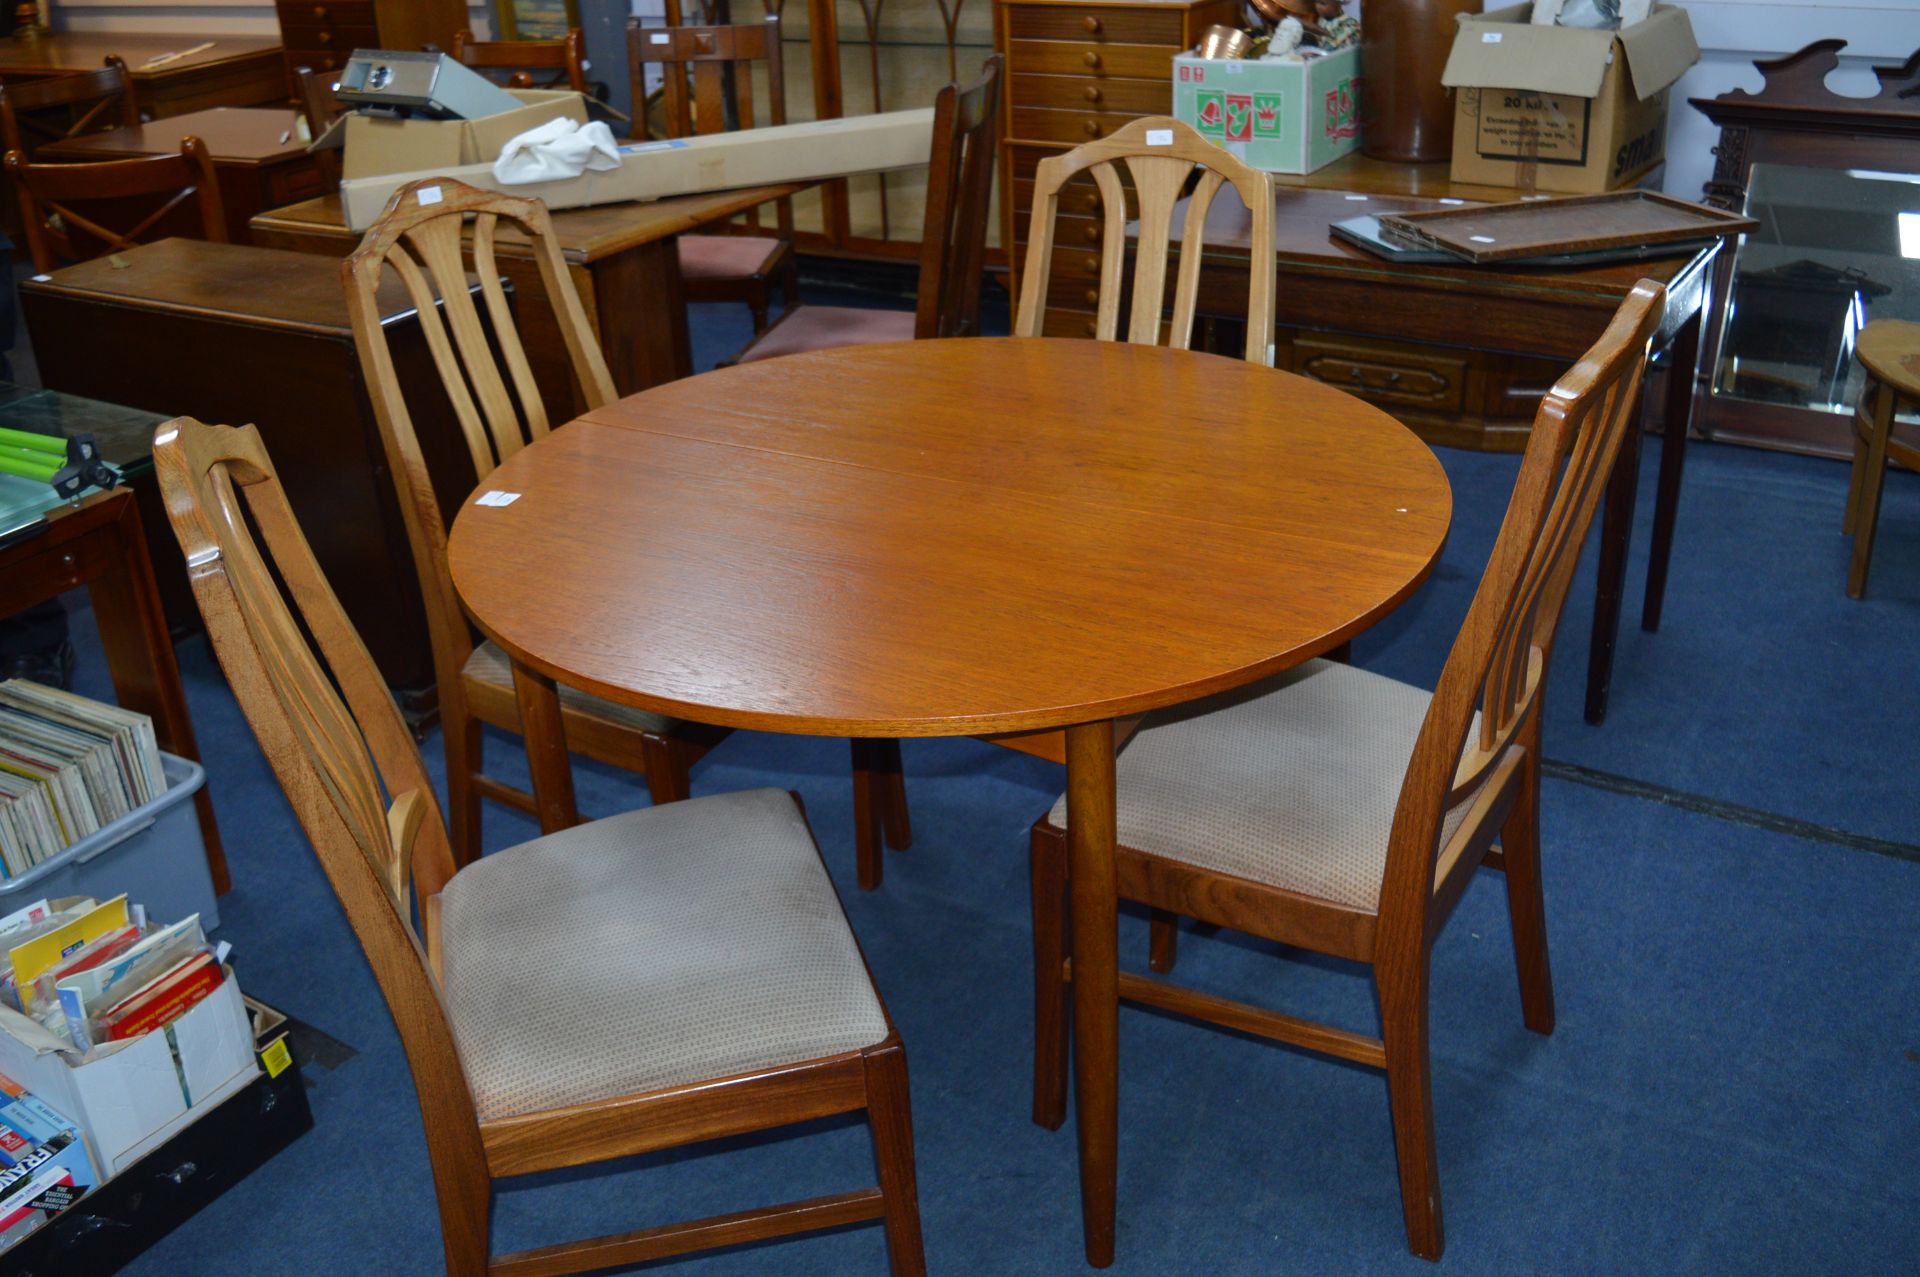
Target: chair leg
(1526,901)
(757,303)
(1403,1025)
(890,1118)
(668,765)
(1866,514)
(1048,867)
(465,747)
(870,767)
(1849,520)
(1163,940)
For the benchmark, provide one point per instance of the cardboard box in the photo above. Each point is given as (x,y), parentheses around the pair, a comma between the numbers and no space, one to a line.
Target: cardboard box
(811,151)
(377,144)
(1284,117)
(129,1097)
(1561,109)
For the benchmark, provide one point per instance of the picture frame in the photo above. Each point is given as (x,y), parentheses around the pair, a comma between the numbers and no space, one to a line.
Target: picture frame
(535,19)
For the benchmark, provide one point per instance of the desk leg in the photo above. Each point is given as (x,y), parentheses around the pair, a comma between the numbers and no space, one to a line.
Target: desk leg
(1673,459)
(1096,999)
(1616,530)
(546,738)
(640,305)
(139,652)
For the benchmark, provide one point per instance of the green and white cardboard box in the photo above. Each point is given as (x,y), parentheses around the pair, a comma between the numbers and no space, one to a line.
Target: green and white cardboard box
(1284,117)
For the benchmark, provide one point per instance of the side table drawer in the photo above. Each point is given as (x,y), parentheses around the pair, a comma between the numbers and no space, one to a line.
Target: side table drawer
(1060,322)
(1061,57)
(1079,93)
(1077,22)
(1073,127)
(1383,372)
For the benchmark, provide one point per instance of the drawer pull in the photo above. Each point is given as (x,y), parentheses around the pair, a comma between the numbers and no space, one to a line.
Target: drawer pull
(1093,266)
(323,37)
(1093,297)
(1091,59)
(1091,330)
(1093,93)
(1091,204)
(320,12)
(1093,234)
(1092,24)
(1092,128)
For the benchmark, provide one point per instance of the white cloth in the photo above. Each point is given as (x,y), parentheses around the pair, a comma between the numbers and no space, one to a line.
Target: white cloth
(557,149)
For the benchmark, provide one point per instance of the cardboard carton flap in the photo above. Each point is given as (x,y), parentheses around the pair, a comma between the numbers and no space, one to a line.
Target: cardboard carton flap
(1501,49)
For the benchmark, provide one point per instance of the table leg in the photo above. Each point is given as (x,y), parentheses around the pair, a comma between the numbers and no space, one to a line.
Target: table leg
(1684,368)
(1096,1000)
(640,306)
(1616,530)
(546,739)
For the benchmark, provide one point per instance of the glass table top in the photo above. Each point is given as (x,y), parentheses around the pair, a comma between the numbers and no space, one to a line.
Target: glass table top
(124,436)
(1836,249)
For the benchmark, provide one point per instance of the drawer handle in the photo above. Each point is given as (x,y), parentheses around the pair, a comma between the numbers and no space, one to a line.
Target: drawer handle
(320,12)
(1093,268)
(1092,24)
(323,37)
(1091,330)
(1393,379)
(1093,234)
(1354,374)
(1093,297)
(1093,93)
(1091,59)
(1092,128)
(1092,204)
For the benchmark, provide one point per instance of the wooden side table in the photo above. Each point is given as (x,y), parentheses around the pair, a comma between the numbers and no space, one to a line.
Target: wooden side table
(235,71)
(257,155)
(98,542)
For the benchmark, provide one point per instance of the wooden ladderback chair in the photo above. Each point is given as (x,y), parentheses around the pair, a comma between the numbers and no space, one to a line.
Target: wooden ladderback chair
(707,88)
(35,113)
(320,104)
(953,239)
(1161,156)
(495,1101)
(490,386)
(560,64)
(1247,811)
(74,212)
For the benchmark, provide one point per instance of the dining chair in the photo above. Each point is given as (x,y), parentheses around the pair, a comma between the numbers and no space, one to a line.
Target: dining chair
(320,103)
(1160,156)
(1336,810)
(499,413)
(1889,351)
(75,212)
(707,88)
(722,992)
(562,62)
(37,113)
(953,239)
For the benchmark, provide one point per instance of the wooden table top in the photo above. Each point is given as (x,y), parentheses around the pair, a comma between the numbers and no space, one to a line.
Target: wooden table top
(233,134)
(951,537)
(85,50)
(586,234)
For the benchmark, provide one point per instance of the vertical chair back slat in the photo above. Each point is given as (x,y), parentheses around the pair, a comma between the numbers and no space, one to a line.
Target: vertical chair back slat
(1161,156)
(953,234)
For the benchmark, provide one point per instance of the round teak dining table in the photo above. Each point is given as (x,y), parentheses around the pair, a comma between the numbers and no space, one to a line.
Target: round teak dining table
(957,537)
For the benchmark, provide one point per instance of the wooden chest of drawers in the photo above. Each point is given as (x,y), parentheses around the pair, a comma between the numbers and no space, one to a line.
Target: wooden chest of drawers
(321,34)
(1078,70)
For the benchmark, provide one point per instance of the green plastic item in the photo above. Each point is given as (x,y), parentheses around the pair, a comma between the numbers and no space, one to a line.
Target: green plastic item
(16,462)
(53,445)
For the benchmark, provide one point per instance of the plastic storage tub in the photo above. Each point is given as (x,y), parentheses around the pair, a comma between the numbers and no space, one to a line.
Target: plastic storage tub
(154,854)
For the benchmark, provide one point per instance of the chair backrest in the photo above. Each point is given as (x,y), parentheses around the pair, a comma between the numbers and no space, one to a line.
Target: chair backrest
(34,113)
(707,84)
(1161,155)
(1498,665)
(320,103)
(953,238)
(337,745)
(562,62)
(425,245)
(74,212)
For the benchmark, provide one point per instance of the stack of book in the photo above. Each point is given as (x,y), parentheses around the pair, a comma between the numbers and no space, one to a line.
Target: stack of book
(101,972)
(69,766)
(44,1167)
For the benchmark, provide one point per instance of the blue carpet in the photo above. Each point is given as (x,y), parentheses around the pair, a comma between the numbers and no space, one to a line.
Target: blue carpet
(1734,1086)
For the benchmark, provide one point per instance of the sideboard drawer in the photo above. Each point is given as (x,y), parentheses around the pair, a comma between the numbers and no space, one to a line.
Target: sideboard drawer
(1060,57)
(1383,372)
(1077,22)
(1060,322)
(1073,127)
(1079,93)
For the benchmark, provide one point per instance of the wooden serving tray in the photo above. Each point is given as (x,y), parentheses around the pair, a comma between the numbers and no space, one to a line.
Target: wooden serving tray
(1578,224)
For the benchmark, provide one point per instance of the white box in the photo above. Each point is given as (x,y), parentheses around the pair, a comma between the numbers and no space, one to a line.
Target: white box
(128,1097)
(812,151)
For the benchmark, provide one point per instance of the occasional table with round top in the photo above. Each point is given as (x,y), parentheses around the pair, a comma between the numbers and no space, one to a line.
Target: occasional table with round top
(949,538)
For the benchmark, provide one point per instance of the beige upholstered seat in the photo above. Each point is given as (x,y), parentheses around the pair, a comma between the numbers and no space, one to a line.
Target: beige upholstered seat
(828,327)
(1291,782)
(489,665)
(728,954)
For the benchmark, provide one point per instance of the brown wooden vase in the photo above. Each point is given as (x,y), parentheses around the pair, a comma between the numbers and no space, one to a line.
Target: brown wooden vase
(1406,114)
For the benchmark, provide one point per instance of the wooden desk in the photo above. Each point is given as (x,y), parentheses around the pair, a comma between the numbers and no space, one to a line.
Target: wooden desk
(953,537)
(257,154)
(1404,336)
(236,71)
(232,333)
(98,542)
(623,260)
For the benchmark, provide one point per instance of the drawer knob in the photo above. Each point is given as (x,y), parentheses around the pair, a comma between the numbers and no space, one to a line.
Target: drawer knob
(1356,375)
(1093,234)
(1393,379)
(1093,93)
(1093,297)
(1092,24)
(323,37)
(1092,128)
(1093,267)
(1091,330)
(1090,58)
(320,12)
(1092,204)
